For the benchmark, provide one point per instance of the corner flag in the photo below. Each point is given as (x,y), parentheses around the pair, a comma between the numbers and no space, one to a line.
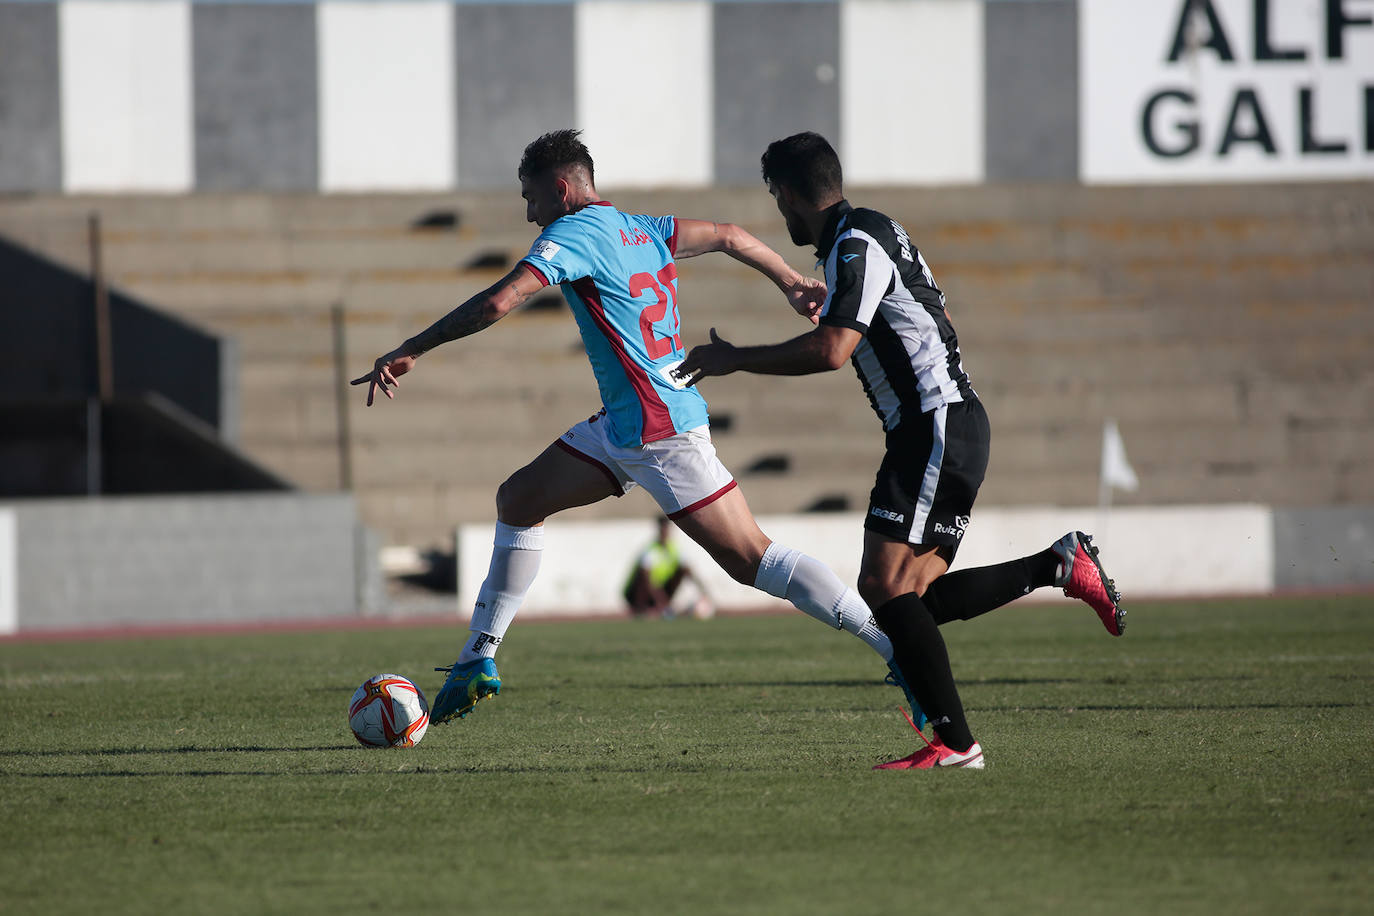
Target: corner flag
(1116,470)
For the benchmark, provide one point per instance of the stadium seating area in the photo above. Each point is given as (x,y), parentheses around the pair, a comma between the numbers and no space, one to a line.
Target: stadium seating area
(1227,329)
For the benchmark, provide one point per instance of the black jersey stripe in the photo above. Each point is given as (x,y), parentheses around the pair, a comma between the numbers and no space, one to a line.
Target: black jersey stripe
(900,375)
(909,360)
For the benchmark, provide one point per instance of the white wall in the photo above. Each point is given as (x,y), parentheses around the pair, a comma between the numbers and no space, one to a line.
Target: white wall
(126,95)
(644,90)
(387,106)
(196,559)
(1150,552)
(9,567)
(1124,50)
(911,92)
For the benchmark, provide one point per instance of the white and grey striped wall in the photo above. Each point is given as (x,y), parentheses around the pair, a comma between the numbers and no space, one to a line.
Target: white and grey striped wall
(359,95)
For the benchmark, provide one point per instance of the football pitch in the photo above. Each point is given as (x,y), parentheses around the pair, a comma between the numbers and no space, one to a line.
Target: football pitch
(1219,758)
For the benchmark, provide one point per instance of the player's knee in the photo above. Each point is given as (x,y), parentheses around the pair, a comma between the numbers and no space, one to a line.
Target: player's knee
(513,505)
(923,580)
(874,590)
(740,562)
(739,566)
(877,587)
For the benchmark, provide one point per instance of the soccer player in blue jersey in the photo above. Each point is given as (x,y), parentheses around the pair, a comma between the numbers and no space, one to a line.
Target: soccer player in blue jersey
(618,274)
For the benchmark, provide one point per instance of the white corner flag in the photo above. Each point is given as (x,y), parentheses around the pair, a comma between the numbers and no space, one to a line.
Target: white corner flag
(1116,470)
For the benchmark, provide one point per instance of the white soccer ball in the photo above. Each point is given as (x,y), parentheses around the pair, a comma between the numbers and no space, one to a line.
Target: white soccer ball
(388,711)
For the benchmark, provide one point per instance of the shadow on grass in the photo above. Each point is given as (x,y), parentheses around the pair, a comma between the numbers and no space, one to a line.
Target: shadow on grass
(1110,680)
(185,749)
(1156,707)
(733,684)
(423,770)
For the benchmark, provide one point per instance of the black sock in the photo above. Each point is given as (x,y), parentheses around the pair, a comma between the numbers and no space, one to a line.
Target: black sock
(965,594)
(920,654)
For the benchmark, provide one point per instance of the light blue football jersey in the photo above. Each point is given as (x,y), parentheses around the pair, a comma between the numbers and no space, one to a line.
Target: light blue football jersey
(617,272)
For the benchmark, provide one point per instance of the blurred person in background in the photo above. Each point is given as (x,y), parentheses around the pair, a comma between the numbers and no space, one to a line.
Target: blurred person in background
(657,574)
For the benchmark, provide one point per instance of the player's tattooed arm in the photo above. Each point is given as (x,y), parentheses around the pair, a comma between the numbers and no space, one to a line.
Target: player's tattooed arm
(480,312)
(699,236)
(469,318)
(477,313)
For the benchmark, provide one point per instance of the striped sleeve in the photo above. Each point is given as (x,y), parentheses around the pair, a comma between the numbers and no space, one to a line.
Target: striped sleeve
(845,274)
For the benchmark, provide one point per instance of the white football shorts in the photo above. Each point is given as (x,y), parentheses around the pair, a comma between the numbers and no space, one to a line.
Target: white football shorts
(681,473)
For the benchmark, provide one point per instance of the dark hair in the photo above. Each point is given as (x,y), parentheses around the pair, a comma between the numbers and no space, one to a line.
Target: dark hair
(554,150)
(806,163)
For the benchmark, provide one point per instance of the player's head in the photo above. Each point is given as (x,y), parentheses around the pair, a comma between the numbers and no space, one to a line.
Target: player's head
(802,172)
(665,529)
(556,176)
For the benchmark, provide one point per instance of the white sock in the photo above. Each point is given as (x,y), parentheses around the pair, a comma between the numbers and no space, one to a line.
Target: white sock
(815,590)
(515,557)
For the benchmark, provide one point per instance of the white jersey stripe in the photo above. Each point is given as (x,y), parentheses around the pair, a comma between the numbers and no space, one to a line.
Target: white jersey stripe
(931,481)
(879,274)
(880,284)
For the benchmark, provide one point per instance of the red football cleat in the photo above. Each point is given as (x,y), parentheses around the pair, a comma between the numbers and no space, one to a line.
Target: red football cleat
(1081,576)
(935,755)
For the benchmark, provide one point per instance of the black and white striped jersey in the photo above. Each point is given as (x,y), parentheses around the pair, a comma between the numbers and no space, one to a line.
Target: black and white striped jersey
(879,285)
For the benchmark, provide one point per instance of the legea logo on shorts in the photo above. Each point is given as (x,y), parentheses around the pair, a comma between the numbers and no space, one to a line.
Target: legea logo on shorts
(887,514)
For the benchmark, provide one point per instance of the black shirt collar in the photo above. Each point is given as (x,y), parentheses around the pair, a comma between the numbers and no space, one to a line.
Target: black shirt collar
(834,216)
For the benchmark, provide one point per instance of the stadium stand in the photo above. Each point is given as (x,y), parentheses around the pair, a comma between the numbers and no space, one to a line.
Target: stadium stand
(1227,328)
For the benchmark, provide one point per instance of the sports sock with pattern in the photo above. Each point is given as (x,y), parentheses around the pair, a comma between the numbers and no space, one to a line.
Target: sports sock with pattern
(967,593)
(814,589)
(515,556)
(920,653)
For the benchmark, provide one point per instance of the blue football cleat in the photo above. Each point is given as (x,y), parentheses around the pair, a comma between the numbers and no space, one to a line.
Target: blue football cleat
(895,677)
(464,686)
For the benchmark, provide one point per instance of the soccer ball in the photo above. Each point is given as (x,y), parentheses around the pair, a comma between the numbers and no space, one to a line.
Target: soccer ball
(388,711)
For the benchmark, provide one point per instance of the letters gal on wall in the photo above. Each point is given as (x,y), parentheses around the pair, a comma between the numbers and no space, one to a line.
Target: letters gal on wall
(1207,90)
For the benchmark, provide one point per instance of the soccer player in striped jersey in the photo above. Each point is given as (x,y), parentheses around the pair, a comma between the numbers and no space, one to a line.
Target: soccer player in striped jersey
(618,274)
(885,314)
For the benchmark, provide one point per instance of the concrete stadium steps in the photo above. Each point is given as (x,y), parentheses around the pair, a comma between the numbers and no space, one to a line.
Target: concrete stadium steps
(428,271)
(1227,329)
(1166,362)
(257,213)
(306,333)
(1067,243)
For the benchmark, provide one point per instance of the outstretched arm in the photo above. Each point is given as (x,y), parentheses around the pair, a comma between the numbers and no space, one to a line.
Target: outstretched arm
(806,295)
(820,350)
(481,311)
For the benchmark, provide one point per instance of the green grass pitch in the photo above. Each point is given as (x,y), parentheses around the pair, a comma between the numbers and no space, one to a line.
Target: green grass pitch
(1217,759)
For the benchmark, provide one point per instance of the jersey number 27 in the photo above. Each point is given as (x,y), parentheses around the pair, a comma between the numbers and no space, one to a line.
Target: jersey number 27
(655,345)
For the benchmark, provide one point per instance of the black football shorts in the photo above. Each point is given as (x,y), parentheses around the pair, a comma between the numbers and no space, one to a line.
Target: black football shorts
(930,476)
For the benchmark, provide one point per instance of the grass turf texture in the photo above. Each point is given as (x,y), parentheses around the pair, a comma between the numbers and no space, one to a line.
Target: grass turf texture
(1216,759)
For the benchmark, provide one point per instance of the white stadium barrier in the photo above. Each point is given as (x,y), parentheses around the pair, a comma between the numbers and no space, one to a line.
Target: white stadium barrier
(9,602)
(1161,552)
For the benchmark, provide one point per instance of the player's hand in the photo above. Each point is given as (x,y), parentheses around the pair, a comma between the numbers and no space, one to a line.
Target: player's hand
(807,297)
(385,372)
(715,358)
